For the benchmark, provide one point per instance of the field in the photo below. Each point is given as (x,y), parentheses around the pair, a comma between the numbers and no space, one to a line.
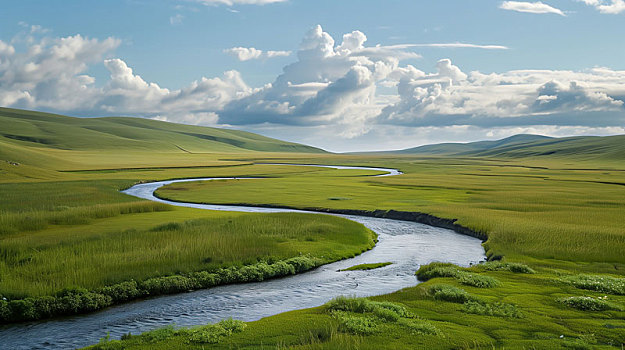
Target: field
(67,235)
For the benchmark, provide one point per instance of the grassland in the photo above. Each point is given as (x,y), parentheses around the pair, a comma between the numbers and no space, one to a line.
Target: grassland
(68,236)
(560,214)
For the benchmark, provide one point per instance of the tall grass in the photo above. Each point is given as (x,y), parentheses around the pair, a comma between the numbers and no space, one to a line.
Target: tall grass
(33,267)
(32,220)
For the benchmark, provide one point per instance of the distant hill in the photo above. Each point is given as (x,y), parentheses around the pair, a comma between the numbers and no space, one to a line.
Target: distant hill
(461,148)
(44,130)
(519,146)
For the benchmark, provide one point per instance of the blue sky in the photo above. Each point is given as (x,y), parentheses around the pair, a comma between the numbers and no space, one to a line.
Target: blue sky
(166,60)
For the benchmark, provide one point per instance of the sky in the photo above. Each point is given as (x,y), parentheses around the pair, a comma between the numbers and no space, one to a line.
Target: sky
(348,75)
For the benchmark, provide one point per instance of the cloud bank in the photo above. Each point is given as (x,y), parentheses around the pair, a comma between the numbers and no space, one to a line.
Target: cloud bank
(346,90)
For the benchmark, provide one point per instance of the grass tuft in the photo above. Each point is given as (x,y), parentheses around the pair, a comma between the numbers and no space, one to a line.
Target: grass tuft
(585,303)
(605,284)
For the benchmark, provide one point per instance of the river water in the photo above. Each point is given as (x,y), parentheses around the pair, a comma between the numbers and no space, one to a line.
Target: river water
(406,244)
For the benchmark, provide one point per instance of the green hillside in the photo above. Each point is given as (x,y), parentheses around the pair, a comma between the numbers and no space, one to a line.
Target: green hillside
(35,131)
(522,146)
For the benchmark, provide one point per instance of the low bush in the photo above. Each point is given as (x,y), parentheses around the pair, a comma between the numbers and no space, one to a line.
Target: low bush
(492,309)
(478,281)
(590,304)
(212,334)
(449,293)
(123,291)
(506,266)
(361,325)
(364,305)
(604,284)
(420,327)
(75,301)
(436,269)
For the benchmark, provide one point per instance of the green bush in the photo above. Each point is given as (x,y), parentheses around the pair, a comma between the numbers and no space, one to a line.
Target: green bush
(168,285)
(590,304)
(436,269)
(492,309)
(420,327)
(605,284)
(79,300)
(512,267)
(361,325)
(214,333)
(122,291)
(449,293)
(478,281)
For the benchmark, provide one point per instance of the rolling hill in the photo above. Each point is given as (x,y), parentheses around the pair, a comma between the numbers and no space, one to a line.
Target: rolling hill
(523,146)
(36,129)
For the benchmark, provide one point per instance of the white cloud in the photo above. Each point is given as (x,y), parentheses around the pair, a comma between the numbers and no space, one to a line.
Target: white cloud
(530,7)
(51,74)
(589,98)
(327,84)
(251,53)
(330,90)
(237,2)
(612,7)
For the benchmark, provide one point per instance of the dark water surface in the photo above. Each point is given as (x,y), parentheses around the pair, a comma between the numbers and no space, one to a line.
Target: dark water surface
(406,244)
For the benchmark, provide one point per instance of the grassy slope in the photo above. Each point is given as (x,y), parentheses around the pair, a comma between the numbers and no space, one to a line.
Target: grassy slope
(62,216)
(523,146)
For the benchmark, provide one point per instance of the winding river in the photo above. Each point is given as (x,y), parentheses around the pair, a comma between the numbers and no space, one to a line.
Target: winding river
(406,244)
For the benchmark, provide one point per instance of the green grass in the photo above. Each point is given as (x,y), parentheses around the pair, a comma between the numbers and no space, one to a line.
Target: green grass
(365,267)
(38,264)
(524,207)
(523,312)
(553,211)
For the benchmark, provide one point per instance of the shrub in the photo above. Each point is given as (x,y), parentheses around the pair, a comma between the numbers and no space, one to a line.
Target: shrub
(427,272)
(79,300)
(214,333)
(605,284)
(168,285)
(478,281)
(512,267)
(449,293)
(122,291)
(5,311)
(420,327)
(385,311)
(23,309)
(494,309)
(355,324)
(589,304)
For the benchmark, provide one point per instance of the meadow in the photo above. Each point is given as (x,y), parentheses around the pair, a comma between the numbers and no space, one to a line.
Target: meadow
(70,242)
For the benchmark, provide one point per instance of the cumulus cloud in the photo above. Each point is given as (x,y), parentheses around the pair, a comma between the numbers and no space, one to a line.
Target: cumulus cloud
(328,83)
(612,7)
(250,53)
(531,97)
(330,87)
(51,74)
(530,7)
